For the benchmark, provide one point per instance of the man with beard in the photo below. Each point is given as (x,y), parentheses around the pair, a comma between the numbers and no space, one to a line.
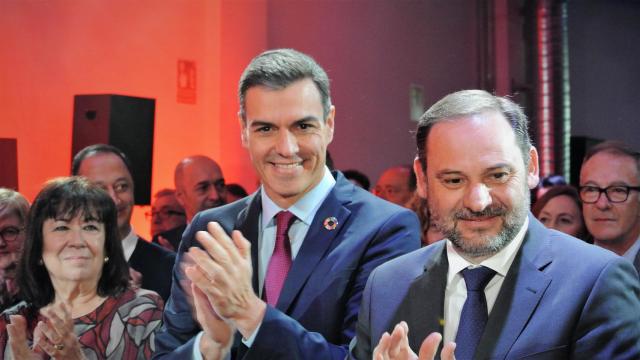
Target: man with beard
(108,167)
(501,285)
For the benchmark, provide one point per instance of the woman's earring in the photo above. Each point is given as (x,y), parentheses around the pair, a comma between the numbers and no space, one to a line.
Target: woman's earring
(106,259)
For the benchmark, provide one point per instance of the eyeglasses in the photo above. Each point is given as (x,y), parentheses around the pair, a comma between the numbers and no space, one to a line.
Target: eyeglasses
(615,193)
(164,214)
(10,233)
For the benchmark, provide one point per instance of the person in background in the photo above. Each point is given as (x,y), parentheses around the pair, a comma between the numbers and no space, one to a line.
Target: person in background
(610,194)
(13,221)
(235,192)
(430,234)
(560,208)
(396,184)
(199,184)
(358,178)
(167,216)
(109,168)
(73,278)
(166,212)
(547,183)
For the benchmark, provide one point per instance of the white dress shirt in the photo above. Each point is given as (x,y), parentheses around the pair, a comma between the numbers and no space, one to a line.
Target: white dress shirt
(129,244)
(456,291)
(631,253)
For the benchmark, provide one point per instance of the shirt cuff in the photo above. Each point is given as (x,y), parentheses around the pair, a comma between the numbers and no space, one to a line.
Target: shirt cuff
(248,342)
(195,354)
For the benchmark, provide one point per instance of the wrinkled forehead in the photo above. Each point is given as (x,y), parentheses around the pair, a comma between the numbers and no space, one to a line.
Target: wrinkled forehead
(607,168)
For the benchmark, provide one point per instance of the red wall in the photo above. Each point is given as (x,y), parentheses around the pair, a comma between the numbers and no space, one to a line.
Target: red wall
(52,50)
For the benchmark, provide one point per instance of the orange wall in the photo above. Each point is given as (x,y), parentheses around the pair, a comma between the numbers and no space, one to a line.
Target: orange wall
(54,50)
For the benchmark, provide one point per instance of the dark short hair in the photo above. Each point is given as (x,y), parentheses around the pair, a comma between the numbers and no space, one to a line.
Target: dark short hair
(99,149)
(70,197)
(473,102)
(552,180)
(236,190)
(359,177)
(616,148)
(277,69)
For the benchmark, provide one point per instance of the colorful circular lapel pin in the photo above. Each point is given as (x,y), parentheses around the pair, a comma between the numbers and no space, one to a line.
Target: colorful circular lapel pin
(330,223)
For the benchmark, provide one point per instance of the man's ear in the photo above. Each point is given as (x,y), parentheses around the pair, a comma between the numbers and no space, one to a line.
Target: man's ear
(421,178)
(330,123)
(243,130)
(533,171)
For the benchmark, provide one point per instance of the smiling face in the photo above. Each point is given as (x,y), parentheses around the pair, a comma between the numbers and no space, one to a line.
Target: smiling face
(287,138)
(476,182)
(615,226)
(108,171)
(563,214)
(73,250)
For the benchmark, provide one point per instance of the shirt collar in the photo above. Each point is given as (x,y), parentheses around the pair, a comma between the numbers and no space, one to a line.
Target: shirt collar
(129,244)
(631,253)
(500,262)
(305,208)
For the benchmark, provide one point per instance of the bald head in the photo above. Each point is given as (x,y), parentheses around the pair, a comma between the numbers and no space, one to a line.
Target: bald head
(396,184)
(199,184)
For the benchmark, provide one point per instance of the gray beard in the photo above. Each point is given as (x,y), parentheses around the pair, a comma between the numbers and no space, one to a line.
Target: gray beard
(513,220)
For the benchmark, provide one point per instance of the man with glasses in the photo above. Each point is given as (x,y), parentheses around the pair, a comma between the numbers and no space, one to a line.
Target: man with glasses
(609,189)
(13,219)
(199,184)
(166,216)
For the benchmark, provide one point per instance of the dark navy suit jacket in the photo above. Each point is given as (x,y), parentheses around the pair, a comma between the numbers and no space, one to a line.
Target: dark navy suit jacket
(561,299)
(155,263)
(317,310)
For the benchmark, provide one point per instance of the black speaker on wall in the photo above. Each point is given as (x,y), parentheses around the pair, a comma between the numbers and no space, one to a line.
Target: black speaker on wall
(125,122)
(9,161)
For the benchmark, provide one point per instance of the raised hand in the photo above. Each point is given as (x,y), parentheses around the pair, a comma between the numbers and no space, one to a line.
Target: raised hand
(225,269)
(17,332)
(55,336)
(395,346)
(218,334)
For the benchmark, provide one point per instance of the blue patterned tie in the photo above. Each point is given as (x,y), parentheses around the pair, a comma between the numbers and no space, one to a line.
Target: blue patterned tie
(474,312)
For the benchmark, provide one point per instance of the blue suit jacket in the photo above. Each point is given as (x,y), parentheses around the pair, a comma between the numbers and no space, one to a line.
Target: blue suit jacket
(317,310)
(561,299)
(155,263)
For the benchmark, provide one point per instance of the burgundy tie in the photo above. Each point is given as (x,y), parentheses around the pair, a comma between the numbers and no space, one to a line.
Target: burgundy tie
(280,261)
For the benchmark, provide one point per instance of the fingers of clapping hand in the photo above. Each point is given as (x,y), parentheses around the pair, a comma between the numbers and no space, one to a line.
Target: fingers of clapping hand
(429,348)
(395,345)
(212,324)
(17,330)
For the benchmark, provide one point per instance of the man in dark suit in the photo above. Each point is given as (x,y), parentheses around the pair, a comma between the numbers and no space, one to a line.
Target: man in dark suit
(289,280)
(500,285)
(107,166)
(610,194)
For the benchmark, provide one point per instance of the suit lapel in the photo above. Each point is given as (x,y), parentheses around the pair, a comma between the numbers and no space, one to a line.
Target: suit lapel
(423,306)
(521,291)
(317,241)
(248,224)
